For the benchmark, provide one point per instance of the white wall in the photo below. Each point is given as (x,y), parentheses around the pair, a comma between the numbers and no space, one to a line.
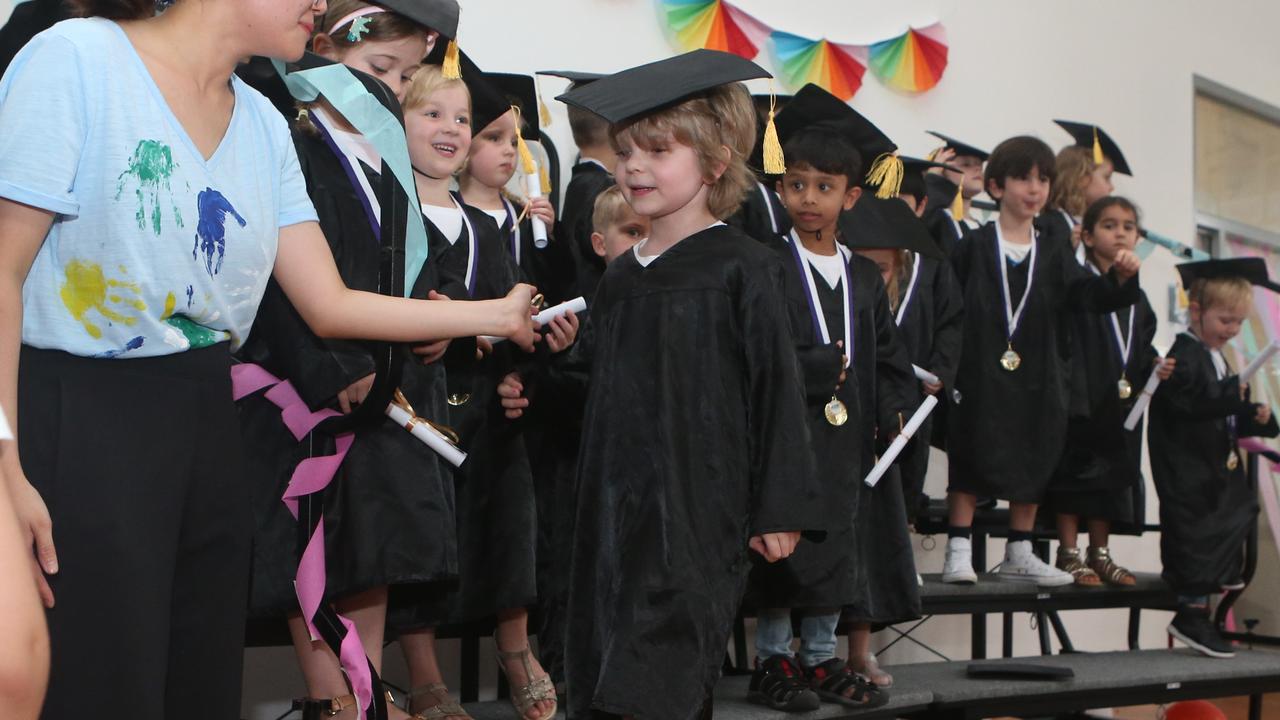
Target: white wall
(1015,65)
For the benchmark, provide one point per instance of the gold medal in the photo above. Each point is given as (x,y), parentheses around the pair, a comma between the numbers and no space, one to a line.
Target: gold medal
(1125,388)
(1233,461)
(1010,360)
(837,414)
(456,399)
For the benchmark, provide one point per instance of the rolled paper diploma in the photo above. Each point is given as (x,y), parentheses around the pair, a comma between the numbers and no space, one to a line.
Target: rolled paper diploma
(431,437)
(576,305)
(533,186)
(901,441)
(5,432)
(925,376)
(1253,367)
(1144,399)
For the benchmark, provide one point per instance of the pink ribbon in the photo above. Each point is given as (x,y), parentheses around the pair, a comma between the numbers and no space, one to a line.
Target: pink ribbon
(312,475)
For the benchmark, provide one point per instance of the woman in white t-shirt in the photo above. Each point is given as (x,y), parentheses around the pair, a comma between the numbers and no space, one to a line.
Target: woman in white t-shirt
(146,196)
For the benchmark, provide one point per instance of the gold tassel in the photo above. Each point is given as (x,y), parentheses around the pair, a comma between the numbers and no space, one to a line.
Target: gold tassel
(545,178)
(451,68)
(774,161)
(1098,157)
(886,175)
(957,205)
(527,165)
(544,113)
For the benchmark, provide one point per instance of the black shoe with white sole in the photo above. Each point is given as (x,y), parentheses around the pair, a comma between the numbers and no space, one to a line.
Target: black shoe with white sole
(1192,627)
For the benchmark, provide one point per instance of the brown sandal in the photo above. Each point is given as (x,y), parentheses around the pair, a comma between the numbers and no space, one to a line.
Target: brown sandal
(1101,563)
(534,691)
(445,707)
(319,708)
(1069,561)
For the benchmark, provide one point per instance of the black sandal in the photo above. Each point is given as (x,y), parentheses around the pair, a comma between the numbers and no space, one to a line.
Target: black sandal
(779,684)
(833,679)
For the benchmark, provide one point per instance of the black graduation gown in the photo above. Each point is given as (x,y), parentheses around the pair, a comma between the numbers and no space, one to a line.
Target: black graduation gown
(941,192)
(1007,432)
(496,510)
(1206,510)
(549,268)
(1100,474)
(389,512)
(932,327)
(827,574)
(27,20)
(587,180)
(888,392)
(761,214)
(694,441)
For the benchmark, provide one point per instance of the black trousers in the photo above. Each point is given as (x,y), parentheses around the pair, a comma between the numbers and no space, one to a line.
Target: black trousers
(139,462)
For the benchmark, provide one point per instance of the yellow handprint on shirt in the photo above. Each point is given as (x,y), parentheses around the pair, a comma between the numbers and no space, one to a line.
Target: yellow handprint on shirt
(87,289)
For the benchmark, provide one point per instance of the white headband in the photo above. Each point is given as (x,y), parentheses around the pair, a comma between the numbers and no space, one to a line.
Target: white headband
(353,16)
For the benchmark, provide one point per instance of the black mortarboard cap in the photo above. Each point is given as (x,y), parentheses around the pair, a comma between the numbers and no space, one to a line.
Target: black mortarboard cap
(1095,138)
(814,107)
(487,100)
(521,91)
(439,15)
(657,85)
(914,165)
(878,223)
(573,76)
(1250,268)
(961,148)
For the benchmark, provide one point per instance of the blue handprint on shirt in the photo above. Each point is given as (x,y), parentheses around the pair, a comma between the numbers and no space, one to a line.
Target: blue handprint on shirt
(211,233)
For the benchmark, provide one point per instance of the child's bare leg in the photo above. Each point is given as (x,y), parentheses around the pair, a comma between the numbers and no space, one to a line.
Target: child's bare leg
(419,648)
(512,635)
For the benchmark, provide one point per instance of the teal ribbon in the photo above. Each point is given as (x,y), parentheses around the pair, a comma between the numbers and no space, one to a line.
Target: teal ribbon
(380,127)
(1173,246)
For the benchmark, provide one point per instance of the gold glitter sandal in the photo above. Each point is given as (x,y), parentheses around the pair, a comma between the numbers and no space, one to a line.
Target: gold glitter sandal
(1069,561)
(534,691)
(1101,563)
(445,707)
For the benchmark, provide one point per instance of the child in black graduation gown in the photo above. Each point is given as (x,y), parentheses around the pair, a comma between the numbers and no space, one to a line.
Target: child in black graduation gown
(1084,171)
(388,517)
(1208,503)
(929,310)
(556,396)
(829,328)
(1099,477)
(495,508)
(694,449)
(591,175)
(499,152)
(1007,431)
(951,190)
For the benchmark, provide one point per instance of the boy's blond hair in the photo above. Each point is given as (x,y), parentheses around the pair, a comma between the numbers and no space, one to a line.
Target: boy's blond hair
(722,117)
(1074,164)
(1229,292)
(609,208)
(427,81)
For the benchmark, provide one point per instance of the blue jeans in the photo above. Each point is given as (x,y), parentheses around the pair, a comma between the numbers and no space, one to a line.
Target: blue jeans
(817,635)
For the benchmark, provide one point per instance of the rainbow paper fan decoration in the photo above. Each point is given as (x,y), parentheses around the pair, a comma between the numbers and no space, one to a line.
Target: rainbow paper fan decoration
(834,67)
(912,62)
(714,25)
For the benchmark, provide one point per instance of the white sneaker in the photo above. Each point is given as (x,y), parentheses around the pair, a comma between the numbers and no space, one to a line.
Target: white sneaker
(959,565)
(1021,565)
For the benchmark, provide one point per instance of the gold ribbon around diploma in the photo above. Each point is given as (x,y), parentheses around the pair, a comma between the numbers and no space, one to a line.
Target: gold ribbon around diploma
(403,403)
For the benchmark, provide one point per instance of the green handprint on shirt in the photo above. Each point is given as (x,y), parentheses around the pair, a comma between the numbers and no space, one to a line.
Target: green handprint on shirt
(151,167)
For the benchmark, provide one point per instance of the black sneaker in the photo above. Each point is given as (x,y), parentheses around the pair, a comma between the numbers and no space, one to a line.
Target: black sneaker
(778,683)
(1192,627)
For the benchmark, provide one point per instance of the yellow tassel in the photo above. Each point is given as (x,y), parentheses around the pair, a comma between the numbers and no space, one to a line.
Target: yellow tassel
(957,205)
(886,175)
(774,161)
(527,165)
(1098,157)
(545,178)
(544,113)
(451,68)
